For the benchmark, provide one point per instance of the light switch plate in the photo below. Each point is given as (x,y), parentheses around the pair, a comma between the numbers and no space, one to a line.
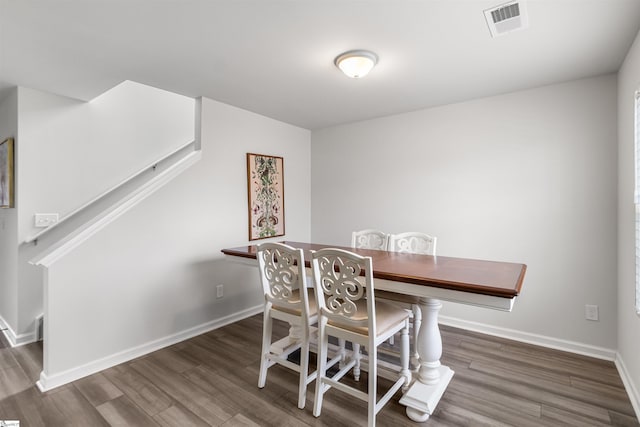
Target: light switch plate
(43,220)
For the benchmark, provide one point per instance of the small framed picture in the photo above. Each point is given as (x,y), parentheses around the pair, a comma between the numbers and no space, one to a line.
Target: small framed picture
(6,174)
(265,178)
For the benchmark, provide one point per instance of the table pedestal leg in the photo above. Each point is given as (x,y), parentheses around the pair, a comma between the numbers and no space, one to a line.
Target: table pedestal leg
(284,345)
(432,378)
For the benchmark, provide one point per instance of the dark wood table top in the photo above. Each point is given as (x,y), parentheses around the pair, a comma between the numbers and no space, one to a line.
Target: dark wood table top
(498,279)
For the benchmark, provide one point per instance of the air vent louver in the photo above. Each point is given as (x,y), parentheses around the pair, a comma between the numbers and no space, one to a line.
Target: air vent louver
(506,18)
(506,12)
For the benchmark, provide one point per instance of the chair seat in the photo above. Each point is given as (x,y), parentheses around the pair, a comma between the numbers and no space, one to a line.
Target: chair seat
(387,316)
(295,299)
(392,296)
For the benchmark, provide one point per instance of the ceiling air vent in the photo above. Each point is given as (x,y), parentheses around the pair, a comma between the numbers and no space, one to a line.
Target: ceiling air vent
(507,17)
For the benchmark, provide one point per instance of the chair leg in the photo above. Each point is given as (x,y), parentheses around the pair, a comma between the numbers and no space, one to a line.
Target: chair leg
(417,322)
(266,347)
(357,356)
(373,381)
(304,370)
(343,352)
(404,356)
(323,342)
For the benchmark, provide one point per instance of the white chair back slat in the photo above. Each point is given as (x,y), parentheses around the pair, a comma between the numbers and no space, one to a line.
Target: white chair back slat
(342,280)
(369,239)
(412,242)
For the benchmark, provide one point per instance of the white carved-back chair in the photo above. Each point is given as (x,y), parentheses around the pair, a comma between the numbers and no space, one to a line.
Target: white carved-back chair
(347,309)
(413,242)
(287,298)
(369,239)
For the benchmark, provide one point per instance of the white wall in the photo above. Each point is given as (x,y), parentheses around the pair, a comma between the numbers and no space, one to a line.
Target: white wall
(72,151)
(149,278)
(9,225)
(527,177)
(628,320)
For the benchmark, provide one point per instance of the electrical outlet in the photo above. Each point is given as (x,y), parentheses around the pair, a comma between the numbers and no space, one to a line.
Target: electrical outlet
(591,312)
(219,291)
(43,220)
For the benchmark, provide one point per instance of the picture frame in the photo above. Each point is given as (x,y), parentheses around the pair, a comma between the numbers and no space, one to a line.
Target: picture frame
(7,179)
(265,187)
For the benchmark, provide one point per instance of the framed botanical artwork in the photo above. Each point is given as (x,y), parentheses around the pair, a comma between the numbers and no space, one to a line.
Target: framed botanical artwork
(6,174)
(265,178)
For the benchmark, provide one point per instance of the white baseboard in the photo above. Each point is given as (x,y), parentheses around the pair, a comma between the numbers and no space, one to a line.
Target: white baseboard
(13,338)
(541,340)
(629,386)
(48,382)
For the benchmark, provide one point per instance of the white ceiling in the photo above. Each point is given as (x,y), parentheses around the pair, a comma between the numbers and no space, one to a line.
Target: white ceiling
(275,57)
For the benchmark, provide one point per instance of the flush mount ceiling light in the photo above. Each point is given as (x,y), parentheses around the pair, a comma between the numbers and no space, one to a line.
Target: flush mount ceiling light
(356,63)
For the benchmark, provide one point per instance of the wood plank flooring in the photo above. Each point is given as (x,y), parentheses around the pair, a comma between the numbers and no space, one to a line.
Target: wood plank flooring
(4,343)
(210,380)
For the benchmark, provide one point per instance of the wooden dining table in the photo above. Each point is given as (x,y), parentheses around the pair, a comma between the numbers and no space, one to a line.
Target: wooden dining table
(489,284)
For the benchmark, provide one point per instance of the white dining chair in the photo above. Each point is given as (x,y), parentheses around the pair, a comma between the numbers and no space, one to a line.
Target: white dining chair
(347,309)
(287,298)
(413,242)
(369,239)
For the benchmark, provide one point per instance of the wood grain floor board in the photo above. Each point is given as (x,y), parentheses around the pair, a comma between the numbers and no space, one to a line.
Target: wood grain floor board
(4,342)
(74,406)
(550,363)
(622,420)
(235,343)
(98,389)
(558,416)
(522,368)
(251,329)
(213,359)
(172,358)
(332,415)
(617,393)
(121,411)
(592,397)
(453,414)
(226,357)
(211,380)
(240,420)
(182,390)
(29,357)
(149,397)
(481,407)
(529,390)
(233,393)
(13,380)
(495,399)
(178,415)
(28,407)
(7,359)
(563,362)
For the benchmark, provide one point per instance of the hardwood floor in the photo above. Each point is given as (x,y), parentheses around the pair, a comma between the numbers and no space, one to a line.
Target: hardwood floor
(4,343)
(211,380)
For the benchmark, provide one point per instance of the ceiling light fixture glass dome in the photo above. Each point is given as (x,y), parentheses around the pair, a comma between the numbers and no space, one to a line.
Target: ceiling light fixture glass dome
(356,63)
